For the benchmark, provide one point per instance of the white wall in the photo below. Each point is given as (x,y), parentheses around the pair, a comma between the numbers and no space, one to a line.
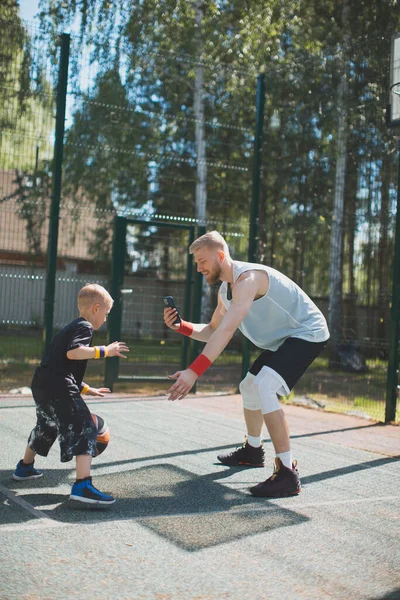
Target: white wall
(22,292)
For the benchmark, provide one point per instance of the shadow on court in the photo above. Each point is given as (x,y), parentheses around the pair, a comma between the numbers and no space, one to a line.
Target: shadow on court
(393,595)
(218,449)
(371,464)
(193,512)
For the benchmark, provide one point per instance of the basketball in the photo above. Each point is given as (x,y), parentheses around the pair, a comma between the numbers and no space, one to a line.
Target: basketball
(103,434)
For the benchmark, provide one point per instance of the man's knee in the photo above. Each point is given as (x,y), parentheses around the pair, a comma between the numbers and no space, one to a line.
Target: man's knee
(268,384)
(251,400)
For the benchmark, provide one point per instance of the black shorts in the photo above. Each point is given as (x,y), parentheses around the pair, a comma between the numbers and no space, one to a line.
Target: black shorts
(66,417)
(290,361)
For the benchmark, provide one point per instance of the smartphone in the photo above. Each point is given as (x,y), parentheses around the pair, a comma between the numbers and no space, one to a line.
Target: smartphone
(170,303)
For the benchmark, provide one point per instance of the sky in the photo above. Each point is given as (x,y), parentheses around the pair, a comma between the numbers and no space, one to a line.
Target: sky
(28,9)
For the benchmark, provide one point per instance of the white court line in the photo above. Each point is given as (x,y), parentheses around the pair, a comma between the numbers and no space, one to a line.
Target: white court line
(43,519)
(39,524)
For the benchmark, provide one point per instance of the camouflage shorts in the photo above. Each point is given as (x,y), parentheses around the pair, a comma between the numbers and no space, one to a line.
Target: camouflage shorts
(67,418)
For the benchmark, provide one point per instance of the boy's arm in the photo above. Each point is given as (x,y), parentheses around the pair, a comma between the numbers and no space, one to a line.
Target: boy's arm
(83,388)
(87,352)
(86,389)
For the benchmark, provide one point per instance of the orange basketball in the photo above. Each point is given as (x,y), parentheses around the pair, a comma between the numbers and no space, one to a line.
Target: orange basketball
(103,433)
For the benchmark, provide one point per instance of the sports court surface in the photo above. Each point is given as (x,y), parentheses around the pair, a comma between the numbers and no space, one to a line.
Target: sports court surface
(185,527)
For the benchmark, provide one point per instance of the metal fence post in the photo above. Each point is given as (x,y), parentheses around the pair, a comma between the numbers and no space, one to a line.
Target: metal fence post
(196,312)
(393,358)
(255,196)
(198,286)
(51,269)
(117,281)
(188,291)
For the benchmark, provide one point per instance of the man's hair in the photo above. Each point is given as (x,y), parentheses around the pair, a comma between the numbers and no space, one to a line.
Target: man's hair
(92,293)
(212,239)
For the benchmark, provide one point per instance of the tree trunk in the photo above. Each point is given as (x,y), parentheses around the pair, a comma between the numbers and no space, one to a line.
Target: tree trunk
(201,167)
(368,252)
(274,199)
(276,191)
(336,242)
(295,249)
(304,238)
(383,274)
(351,320)
(262,226)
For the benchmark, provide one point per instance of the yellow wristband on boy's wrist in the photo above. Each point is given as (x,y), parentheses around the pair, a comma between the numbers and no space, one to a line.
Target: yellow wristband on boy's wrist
(100,352)
(85,388)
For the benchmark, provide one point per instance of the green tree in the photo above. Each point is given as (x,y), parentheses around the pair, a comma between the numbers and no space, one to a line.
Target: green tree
(26,99)
(26,124)
(150,50)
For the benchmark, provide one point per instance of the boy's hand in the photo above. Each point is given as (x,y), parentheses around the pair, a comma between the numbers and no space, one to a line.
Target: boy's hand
(169,318)
(185,380)
(97,391)
(116,348)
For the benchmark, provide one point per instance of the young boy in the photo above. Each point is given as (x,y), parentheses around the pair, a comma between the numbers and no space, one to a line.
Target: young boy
(57,386)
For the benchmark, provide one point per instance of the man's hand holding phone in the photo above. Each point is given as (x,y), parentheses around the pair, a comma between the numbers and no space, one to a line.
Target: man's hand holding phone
(172,318)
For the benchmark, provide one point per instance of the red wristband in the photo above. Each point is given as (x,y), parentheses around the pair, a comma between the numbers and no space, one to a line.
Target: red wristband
(200,364)
(185,328)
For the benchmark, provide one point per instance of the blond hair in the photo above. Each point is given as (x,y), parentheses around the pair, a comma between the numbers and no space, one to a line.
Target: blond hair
(93,293)
(212,239)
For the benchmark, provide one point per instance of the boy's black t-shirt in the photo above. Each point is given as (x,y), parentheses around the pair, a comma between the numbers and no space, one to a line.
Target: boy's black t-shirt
(56,369)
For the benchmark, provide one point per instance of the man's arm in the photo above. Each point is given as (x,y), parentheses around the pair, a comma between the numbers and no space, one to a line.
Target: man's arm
(201,331)
(243,294)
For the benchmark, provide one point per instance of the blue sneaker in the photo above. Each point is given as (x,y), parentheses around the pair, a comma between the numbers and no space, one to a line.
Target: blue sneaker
(84,491)
(23,472)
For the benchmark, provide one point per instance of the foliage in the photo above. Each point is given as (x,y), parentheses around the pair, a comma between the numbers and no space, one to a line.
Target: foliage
(26,99)
(130,142)
(26,109)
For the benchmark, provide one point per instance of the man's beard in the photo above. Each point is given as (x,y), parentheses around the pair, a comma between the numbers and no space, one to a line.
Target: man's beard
(213,276)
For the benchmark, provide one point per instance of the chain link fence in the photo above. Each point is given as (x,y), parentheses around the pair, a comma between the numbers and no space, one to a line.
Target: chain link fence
(137,144)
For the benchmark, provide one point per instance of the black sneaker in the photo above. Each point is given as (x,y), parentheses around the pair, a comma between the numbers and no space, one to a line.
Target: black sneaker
(283,482)
(245,456)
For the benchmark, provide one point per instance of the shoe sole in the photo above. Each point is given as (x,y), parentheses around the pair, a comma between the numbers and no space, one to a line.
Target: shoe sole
(90,500)
(240,464)
(286,495)
(18,478)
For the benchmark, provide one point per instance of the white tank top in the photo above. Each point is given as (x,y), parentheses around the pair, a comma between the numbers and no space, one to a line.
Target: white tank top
(284,311)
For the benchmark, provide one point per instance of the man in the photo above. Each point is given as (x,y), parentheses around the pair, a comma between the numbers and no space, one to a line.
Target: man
(279,318)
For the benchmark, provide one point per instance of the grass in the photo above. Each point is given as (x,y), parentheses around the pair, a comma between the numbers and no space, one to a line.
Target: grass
(359,406)
(363,393)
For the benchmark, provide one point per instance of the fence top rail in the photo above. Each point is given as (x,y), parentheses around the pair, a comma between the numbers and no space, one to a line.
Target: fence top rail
(133,221)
